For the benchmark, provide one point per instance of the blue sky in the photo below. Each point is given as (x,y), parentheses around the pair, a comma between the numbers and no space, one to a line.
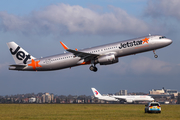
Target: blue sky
(39,25)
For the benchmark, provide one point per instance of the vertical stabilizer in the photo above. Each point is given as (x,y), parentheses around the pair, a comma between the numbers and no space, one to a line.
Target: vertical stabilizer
(20,56)
(96,93)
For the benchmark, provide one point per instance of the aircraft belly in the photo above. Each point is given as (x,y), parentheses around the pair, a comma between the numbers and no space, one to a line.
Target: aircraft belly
(59,64)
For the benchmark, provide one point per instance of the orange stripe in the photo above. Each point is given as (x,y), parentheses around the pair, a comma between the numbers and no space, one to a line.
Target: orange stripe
(64,46)
(84,63)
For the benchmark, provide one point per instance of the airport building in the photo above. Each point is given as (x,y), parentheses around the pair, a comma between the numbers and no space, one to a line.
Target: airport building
(163,91)
(170,92)
(164,95)
(47,98)
(122,92)
(156,91)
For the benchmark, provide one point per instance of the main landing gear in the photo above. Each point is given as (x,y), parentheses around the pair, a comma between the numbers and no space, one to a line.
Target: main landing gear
(93,68)
(156,56)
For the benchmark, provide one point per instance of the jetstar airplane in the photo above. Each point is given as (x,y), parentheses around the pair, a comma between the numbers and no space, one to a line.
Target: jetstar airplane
(122,98)
(104,54)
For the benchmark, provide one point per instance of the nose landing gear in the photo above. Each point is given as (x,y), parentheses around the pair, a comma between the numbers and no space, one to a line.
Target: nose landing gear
(93,68)
(156,56)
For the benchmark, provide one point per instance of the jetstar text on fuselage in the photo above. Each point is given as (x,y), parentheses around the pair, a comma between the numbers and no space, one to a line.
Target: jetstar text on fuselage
(133,43)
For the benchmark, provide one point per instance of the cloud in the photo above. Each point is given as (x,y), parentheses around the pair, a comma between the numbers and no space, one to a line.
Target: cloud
(165,8)
(67,19)
(146,65)
(141,66)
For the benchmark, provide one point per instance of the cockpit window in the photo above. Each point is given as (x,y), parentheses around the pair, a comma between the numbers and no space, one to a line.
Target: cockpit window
(162,37)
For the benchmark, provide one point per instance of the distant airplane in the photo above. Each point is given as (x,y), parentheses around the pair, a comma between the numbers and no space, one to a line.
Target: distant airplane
(122,98)
(104,54)
(100,97)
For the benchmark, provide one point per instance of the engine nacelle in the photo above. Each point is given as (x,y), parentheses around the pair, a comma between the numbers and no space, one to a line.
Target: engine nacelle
(107,59)
(129,101)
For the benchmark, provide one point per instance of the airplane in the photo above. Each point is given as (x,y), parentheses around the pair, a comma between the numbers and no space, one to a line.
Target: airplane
(100,97)
(104,55)
(122,98)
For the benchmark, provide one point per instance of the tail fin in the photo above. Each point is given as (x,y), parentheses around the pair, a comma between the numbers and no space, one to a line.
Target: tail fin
(19,54)
(96,93)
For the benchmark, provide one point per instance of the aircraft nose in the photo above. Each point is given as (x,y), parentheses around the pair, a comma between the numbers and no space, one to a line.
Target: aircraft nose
(169,41)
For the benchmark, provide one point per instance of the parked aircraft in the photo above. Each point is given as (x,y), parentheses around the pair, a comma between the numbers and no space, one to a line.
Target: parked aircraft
(122,98)
(103,55)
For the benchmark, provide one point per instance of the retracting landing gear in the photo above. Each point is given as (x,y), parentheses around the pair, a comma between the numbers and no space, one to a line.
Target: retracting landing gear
(93,68)
(156,56)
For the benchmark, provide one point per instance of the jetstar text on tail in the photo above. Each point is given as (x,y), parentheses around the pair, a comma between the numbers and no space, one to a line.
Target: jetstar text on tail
(20,55)
(133,43)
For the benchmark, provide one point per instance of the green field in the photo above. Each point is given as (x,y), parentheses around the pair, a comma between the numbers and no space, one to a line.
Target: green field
(85,112)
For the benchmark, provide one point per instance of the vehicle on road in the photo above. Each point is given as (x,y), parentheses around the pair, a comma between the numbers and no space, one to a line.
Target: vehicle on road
(153,107)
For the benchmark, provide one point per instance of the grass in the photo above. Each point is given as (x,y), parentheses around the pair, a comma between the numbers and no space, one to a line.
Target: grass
(85,112)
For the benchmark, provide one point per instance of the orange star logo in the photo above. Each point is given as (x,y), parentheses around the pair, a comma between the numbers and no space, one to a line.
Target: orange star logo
(145,40)
(34,64)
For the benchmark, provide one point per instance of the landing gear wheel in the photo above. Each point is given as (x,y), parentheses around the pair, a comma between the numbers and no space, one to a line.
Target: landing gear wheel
(122,102)
(156,56)
(93,68)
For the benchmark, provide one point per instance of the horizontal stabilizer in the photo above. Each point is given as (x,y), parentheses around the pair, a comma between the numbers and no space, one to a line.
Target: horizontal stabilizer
(17,65)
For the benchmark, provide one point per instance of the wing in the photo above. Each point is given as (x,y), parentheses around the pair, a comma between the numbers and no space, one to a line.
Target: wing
(119,97)
(82,55)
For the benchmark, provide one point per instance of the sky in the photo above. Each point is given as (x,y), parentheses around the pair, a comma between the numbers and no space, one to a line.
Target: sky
(39,25)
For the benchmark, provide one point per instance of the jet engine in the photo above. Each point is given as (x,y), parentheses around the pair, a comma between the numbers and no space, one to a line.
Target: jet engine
(107,59)
(129,101)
